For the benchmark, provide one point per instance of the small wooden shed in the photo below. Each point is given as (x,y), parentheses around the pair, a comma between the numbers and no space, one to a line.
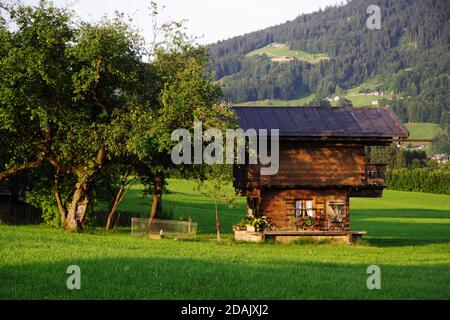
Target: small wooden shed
(322,164)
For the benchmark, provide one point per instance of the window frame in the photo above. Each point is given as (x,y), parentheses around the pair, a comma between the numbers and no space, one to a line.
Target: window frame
(304,209)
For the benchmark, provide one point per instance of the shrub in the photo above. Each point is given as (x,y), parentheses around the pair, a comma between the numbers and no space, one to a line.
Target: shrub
(419,180)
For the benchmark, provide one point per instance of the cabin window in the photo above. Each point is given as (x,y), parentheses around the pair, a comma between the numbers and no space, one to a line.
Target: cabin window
(298,208)
(304,208)
(309,208)
(336,211)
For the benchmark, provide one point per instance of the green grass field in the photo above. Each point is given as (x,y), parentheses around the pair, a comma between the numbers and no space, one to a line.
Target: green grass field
(357,101)
(303,101)
(277,50)
(409,239)
(423,130)
(352,94)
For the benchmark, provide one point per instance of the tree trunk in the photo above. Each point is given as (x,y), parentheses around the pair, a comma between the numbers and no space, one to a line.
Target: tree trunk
(78,208)
(112,212)
(157,195)
(217,223)
(61,207)
(117,200)
(155,209)
(81,199)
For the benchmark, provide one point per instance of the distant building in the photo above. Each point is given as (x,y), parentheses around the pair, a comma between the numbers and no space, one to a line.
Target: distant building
(282,59)
(375,93)
(440,158)
(413,147)
(333,99)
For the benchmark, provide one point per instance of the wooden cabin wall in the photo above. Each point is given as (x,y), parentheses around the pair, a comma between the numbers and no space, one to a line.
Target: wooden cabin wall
(279,205)
(309,165)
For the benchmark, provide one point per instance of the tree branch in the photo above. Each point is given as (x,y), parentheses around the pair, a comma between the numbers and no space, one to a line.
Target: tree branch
(33,164)
(58,165)
(30,165)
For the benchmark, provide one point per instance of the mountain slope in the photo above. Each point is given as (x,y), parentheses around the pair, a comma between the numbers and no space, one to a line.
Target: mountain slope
(409,56)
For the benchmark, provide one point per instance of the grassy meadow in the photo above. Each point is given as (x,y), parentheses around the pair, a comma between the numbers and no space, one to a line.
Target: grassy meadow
(408,238)
(277,50)
(422,130)
(358,101)
(352,94)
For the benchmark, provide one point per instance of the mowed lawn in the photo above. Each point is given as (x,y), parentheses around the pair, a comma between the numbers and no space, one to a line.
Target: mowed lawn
(409,239)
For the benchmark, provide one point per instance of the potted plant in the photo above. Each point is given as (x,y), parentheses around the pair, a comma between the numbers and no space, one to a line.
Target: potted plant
(250,228)
(297,222)
(308,223)
(305,223)
(316,226)
(261,223)
(253,224)
(241,226)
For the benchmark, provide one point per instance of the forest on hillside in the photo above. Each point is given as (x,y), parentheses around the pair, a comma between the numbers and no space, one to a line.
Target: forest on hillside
(409,57)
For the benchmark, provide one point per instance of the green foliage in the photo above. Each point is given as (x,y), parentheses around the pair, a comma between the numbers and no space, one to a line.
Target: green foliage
(258,223)
(83,99)
(214,184)
(167,214)
(303,222)
(46,202)
(441,144)
(41,194)
(408,57)
(321,102)
(419,180)
(345,102)
(396,158)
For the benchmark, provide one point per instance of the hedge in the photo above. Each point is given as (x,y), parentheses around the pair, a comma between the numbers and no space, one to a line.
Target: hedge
(419,180)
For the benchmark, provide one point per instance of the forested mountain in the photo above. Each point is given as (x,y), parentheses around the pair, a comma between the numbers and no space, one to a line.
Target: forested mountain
(409,57)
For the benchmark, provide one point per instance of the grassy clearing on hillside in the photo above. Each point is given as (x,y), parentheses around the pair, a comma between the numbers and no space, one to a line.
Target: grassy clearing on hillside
(303,101)
(352,94)
(361,101)
(409,238)
(357,101)
(367,86)
(421,130)
(281,50)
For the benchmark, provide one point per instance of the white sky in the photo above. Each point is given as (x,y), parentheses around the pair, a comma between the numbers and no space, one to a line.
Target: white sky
(213,20)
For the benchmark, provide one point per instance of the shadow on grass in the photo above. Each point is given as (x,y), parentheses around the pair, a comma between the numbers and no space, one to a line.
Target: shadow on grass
(402,227)
(158,278)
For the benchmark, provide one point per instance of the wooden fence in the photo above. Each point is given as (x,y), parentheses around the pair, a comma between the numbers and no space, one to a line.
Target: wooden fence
(25,214)
(19,214)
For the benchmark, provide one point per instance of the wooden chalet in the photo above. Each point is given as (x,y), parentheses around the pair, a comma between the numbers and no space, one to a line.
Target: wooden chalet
(322,164)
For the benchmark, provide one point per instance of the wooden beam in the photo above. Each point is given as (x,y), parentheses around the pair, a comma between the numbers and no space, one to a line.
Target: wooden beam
(416,140)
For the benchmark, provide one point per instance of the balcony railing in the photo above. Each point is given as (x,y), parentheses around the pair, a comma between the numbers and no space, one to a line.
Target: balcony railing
(376,174)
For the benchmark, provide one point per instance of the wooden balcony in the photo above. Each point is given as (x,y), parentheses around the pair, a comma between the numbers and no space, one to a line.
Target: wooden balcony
(376,175)
(371,185)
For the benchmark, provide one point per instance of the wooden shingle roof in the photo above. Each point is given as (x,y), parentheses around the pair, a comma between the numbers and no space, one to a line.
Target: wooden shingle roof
(323,122)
